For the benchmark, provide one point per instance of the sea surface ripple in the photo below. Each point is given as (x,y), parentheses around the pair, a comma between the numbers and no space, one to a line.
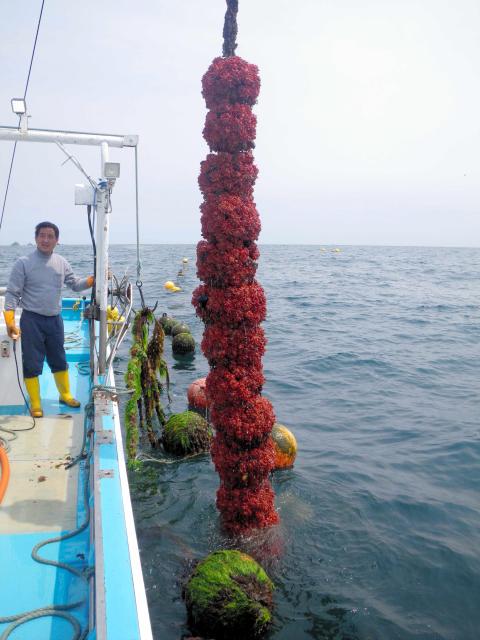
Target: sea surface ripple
(373,361)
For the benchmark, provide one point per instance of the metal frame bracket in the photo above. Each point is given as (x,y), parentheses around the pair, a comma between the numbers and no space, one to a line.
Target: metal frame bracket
(105,473)
(104,437)
(103,402)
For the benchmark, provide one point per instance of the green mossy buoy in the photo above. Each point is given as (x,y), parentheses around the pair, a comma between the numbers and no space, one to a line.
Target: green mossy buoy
(186,433)
(183,343)
(229,596)
(167,324)
(180,327)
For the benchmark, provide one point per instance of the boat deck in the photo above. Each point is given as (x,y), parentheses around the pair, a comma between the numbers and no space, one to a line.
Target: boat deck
(43,493)
(45,500)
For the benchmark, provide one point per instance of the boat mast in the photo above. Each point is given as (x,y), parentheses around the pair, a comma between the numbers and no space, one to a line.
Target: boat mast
(102,205)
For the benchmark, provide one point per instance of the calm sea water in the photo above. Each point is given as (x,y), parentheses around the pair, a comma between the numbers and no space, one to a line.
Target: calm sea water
(373,361)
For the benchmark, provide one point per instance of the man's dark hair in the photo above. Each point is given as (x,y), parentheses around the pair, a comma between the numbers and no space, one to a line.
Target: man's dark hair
(47,225)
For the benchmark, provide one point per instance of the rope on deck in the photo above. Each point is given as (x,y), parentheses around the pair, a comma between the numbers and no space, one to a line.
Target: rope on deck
(60,610)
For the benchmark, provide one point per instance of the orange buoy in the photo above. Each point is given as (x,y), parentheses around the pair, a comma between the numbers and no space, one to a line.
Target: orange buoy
(285,446)
(5,469)
(197,396)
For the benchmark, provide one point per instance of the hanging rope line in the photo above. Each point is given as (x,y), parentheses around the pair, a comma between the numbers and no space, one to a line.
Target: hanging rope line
(33,51)
(8,182)
(139,282)
(137,223)
(230,29)
(24,97)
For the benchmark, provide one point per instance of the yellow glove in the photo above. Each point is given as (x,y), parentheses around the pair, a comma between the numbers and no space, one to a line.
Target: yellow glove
(12,330)
(90,281)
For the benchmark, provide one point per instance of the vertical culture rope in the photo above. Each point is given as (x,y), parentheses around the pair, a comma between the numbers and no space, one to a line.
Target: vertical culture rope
(230,301)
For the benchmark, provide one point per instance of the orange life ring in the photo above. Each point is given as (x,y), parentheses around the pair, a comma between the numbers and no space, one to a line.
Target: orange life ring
(5,467)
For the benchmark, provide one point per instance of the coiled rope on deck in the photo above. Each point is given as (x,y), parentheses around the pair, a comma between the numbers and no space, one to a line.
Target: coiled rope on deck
(13,432)
(58,610)
(61,610)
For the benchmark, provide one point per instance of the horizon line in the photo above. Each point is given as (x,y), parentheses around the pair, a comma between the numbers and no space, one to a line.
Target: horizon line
(274,244)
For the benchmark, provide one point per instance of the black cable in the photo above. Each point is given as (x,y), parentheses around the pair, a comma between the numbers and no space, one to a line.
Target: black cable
(92,238)
(21,390)
(8,182)
(91,319)
(24,97)
(33,50)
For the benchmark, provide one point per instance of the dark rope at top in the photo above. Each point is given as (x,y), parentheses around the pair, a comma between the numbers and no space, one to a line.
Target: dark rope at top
(230,29)
(24,97)
(33,51)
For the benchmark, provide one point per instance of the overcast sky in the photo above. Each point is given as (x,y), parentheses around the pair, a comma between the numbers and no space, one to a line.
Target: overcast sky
(368,117)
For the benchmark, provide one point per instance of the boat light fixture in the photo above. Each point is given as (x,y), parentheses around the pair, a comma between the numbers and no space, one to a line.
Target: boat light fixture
(19,106)
(111,170)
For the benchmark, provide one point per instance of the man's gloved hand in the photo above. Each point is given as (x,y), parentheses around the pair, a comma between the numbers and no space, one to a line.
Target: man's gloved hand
(12,330)
(90,281)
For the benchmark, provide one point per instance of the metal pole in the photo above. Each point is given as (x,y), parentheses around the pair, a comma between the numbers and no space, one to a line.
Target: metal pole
(101,280)
(66,137)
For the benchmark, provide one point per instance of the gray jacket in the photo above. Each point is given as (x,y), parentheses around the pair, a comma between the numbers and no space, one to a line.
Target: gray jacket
(36,283)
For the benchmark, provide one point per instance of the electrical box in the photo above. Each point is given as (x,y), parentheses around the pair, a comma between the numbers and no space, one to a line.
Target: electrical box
(5,348)
(84,194)
(10,394)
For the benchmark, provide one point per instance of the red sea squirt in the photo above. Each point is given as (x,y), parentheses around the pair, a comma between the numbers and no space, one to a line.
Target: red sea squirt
(231,302)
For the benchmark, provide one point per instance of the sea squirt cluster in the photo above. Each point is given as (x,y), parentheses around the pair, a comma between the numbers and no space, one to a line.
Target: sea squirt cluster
(231,302)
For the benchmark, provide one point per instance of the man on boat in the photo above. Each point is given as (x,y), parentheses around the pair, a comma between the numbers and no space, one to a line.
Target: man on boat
(35,284)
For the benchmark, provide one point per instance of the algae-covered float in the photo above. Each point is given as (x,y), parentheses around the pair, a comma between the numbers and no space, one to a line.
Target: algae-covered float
(68,548)
(229,596)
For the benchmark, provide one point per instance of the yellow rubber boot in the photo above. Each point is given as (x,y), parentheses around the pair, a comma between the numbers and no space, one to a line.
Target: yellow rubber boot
(33,390)
(63,385)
